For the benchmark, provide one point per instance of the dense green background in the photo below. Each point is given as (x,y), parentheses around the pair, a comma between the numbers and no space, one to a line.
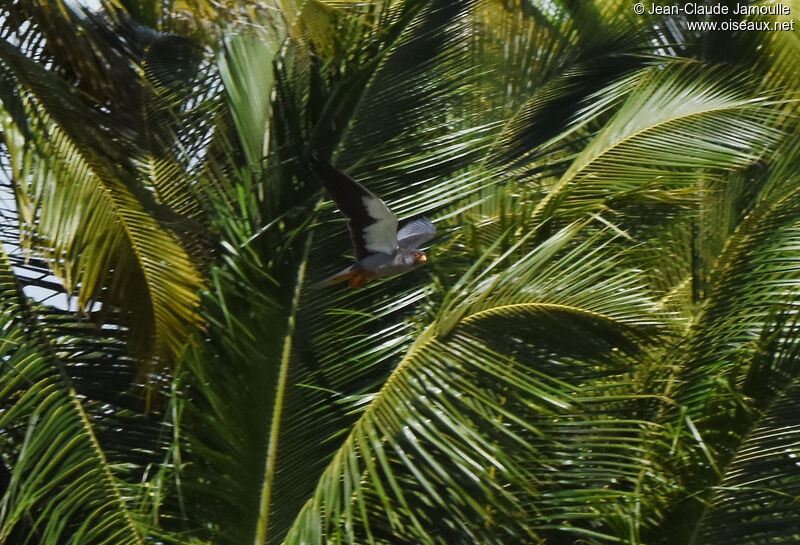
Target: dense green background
(603,347)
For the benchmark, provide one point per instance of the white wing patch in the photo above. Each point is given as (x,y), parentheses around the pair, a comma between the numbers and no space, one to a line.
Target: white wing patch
(380,236)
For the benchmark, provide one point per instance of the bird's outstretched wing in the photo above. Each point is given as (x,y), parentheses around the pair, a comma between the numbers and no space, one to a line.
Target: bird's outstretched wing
(415,233)
(373,227)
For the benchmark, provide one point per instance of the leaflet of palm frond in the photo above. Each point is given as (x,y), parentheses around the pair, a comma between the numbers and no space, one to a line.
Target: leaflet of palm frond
(741,349)
(754,502)
(67,157)
(246,71)
(682,102)
(439,385)
(58,448)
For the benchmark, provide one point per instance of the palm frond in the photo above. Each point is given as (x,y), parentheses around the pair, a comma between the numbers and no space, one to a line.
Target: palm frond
(756,500)
(65,168)
(179,90)
(737,312)
(432,437)
(682,102)
(57,466)
(731,363)
(248,81)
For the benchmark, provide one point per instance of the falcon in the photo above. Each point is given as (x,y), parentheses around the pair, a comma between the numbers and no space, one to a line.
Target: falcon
(380,249)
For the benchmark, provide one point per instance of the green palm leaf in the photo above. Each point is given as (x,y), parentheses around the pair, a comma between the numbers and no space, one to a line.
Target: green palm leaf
(433,437)
(65,169)
(682,102)
(62,489)
(738,354)
(756,500)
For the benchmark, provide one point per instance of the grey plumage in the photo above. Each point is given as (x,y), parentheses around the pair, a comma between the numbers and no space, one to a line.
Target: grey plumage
(381,250)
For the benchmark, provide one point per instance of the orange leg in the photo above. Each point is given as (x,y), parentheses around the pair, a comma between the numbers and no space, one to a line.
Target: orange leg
(358,280)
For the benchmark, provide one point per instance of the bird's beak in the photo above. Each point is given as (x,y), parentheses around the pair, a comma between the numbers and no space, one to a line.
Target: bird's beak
(423,258)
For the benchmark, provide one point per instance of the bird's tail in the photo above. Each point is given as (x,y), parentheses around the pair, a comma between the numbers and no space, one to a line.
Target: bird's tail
(342,276)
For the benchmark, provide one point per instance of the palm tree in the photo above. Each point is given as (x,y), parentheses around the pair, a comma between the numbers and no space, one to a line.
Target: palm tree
(601,351)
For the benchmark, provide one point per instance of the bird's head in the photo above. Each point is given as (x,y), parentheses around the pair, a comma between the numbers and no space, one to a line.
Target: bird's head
(411,258)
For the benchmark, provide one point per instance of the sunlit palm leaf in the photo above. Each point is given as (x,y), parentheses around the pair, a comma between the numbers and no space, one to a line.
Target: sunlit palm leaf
(117,245)
(683,102)
(462,447)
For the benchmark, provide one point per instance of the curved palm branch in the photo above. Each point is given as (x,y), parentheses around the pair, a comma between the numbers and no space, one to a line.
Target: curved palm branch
(683,102)
(123,241)
(436,439)
(756,499)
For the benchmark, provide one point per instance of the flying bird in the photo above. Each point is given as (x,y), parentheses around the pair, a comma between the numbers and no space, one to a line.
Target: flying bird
(380,249)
